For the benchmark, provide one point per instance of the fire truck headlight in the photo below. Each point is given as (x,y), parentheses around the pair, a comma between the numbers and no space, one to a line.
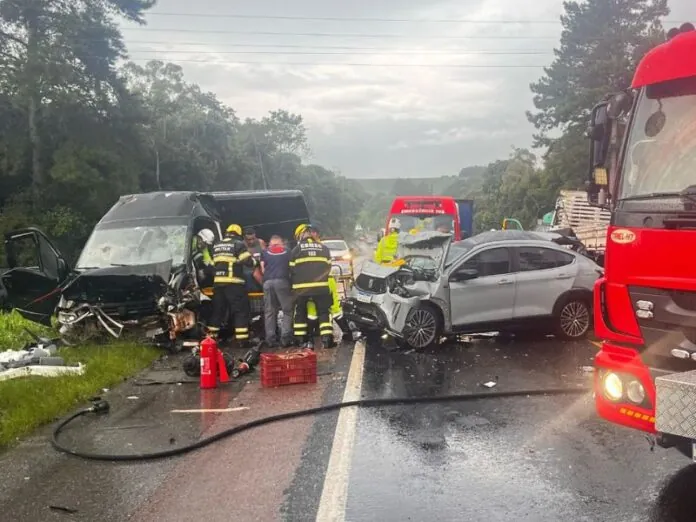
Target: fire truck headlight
(612,386)
(635,392)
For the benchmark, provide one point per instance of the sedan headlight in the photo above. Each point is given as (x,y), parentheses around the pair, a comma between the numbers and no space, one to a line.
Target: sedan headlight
(347,257)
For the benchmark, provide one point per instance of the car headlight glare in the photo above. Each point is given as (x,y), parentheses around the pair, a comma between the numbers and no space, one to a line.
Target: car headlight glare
(612,386)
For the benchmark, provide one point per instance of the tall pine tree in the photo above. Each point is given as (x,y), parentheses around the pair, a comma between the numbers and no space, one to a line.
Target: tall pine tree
(601,44)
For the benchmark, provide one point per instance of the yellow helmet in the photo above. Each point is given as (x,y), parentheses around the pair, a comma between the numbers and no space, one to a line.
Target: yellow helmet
(234,229)
(299,230)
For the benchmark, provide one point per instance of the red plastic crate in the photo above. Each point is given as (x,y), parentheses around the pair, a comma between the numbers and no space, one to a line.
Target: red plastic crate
(279,369)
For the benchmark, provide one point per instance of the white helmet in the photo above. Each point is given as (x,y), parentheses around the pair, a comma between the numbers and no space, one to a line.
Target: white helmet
(395,223)
(207,236)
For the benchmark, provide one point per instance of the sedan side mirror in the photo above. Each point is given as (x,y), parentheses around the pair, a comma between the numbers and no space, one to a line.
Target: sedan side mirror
(465,274)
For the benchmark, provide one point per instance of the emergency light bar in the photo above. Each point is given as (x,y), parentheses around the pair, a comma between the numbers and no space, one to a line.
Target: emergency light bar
(422,204)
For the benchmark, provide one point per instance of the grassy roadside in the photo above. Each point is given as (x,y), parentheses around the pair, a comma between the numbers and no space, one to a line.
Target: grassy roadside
(27,403)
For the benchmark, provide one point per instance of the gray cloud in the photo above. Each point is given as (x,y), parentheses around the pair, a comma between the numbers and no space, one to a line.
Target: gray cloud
(384,117)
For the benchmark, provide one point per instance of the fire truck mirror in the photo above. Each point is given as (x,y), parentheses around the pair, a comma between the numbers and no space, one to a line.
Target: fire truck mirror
(619,104)
(598,132)
(655,123)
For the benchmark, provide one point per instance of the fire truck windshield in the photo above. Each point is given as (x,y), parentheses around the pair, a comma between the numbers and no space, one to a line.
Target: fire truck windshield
(660,156)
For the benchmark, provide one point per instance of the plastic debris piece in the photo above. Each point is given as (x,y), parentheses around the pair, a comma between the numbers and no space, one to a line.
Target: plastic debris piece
(490,384)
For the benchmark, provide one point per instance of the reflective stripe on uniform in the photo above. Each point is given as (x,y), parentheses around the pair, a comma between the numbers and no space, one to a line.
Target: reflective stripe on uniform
(226,279)
(310,259)
(225,258)
(244,255)
(241,330)
(325,328)
(310,285)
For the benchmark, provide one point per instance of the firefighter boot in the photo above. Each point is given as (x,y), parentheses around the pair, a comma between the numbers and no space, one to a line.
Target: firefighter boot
(328,341)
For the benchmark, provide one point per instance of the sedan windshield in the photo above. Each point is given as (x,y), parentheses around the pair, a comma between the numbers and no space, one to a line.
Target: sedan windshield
(129,246)
(660,157)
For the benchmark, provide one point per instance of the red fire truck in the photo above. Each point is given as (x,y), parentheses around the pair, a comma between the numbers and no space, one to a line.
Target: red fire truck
(423,212)
(643,169)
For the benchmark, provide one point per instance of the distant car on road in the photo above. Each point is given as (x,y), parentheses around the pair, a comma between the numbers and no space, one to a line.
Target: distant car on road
(341,257)
(504,281)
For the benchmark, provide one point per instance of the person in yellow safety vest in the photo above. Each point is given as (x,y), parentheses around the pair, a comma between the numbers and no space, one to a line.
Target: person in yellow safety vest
(230,299)
(203,260)
(310,267)
(336,313)
(389,244)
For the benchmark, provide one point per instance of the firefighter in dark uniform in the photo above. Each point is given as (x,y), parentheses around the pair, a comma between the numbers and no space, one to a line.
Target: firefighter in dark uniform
(230,299)
(310,266)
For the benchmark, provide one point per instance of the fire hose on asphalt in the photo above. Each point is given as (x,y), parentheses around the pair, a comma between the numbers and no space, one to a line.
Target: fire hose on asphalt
(102,407)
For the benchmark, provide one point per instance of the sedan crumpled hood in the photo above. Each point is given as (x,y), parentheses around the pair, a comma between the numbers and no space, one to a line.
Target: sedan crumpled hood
(120,283)
(378,271)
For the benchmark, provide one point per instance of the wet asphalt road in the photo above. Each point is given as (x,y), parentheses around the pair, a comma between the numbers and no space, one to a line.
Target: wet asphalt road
(528,459)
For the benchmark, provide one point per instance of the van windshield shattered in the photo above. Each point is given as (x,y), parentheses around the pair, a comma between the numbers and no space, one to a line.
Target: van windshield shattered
(129,246)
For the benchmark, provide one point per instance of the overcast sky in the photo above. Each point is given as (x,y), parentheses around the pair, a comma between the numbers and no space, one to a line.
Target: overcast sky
(395,100)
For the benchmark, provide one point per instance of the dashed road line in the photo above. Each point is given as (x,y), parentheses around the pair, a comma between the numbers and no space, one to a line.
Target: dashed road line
(332,506)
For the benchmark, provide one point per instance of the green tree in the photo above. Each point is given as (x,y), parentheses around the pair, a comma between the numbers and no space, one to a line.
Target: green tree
(60,51)
(601,44)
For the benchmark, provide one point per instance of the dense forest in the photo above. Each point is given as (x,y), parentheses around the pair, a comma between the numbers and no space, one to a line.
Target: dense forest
(79,127)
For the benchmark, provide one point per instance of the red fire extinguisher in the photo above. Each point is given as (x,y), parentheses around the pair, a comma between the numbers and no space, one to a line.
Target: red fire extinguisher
(209,358)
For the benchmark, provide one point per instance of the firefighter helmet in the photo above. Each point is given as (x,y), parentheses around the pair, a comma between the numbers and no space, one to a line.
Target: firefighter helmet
(206,236)
(300,230)
(394,224)
(234,230)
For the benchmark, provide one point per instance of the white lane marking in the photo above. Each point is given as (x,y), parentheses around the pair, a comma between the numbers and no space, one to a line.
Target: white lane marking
(332,506)
(212,410)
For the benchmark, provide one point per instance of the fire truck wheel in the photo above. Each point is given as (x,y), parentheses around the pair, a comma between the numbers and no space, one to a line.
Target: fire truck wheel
(573,318)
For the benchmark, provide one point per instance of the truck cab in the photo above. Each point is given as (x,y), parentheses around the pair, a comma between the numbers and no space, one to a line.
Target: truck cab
(642,157)
(434,213)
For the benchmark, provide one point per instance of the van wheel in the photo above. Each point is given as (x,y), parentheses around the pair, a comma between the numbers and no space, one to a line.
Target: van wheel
(574,318)
(423,327)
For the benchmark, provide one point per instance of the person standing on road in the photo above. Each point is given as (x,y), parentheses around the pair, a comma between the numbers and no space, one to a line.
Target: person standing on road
(230,299)
(255,246)
(336,312)
(277,294)
(389,244)
(310,266)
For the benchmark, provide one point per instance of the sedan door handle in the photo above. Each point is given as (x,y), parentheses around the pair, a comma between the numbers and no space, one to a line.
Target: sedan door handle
(564,276)
(504,282)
